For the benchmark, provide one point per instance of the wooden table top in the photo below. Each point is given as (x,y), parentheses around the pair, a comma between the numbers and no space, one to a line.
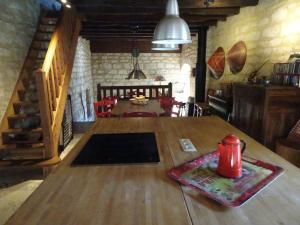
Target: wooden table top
(145,195)
(127,106)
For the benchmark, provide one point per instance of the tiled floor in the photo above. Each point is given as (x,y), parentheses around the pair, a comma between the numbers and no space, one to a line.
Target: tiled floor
(17,185)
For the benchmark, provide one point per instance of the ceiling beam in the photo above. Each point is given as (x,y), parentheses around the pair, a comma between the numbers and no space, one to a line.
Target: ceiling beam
(128,31)
(148,24)
(88,10)
(148,19)
(162,3)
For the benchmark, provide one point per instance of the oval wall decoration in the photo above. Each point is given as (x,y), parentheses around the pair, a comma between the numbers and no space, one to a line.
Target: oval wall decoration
(216,63)
(237,56)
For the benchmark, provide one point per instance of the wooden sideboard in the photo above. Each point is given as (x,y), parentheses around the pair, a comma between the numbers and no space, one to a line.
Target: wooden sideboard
(265,113)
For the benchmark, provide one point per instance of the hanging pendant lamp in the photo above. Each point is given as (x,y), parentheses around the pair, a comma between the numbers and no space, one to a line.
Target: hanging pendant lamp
(136,73)
(172,29)
(165,47)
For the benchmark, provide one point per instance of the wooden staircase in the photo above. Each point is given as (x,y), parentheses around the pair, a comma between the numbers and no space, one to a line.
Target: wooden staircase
(31,125)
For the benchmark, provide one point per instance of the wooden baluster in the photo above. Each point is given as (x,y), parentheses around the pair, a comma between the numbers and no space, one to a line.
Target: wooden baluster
(52,88)
(45,111)
(56,75)
(58,63)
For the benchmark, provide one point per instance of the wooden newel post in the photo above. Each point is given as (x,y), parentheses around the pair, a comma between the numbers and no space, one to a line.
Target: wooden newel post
(99,94)
(170,89)
(45,112)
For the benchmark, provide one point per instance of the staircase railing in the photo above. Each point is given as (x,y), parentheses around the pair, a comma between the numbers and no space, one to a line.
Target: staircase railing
(53,79)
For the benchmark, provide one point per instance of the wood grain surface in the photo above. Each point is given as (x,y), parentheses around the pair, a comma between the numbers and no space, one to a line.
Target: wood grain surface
(143,194)
(127,106)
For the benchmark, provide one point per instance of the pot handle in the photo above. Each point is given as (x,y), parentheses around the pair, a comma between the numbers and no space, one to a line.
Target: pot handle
(244,146)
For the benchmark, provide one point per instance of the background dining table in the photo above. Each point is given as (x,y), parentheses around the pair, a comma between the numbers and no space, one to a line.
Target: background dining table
(143,194)
(127,106)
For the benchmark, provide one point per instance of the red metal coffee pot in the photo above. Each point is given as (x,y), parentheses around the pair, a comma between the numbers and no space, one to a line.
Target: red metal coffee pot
(230,161)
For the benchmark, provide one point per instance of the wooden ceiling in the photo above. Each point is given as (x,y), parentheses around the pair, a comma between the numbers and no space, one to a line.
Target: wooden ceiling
(108,19)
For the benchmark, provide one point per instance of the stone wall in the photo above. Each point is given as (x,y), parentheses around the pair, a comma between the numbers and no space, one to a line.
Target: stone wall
(82,81)
(271,30)
(18,20)
(113,68)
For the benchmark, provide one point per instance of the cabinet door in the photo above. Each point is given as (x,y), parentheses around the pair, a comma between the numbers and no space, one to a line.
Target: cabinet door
(282,113)
(248,110)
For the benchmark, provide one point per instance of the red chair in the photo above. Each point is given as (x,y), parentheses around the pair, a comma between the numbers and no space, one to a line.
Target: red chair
(171,106)
(114,99)
(166,102)
(139,114)
(103,108)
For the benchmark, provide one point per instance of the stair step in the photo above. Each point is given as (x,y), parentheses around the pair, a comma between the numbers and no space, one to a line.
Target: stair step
(12,152)
(49,20)
(37,57)
(41,49)
(54,14)
(26,108)
(28,96)
(42,40)
(33,64)
(47,27)
(24,121)
(44,32)
(37,44)
(40,36)
(29,83)
(19,136)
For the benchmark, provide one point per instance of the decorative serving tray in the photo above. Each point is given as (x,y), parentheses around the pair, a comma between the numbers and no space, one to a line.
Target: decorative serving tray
(201,174)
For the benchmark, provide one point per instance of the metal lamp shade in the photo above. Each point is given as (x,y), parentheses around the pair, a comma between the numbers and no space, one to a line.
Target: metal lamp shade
(172,29)
(167,47)
(136,73)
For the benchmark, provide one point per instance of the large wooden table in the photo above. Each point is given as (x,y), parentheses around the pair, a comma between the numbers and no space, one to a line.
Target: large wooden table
(144,194)
(127,106)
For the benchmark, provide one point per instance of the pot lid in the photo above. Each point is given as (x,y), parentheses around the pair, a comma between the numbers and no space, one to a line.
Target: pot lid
(231,140)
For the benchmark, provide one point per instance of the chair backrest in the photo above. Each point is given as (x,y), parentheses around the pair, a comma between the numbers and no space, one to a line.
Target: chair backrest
(171,106)
(166,102)
(294,134)
(103,108)
(133,94)
(139,114)
(112,98)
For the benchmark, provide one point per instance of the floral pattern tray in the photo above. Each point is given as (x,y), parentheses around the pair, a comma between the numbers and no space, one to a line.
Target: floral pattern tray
(201,174)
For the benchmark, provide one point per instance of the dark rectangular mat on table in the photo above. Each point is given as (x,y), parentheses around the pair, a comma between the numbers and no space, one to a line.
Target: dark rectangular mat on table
(124,148)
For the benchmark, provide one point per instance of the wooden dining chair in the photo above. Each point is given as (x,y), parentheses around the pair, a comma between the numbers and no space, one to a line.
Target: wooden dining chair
(103,108)
(139,114)
(175,110)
